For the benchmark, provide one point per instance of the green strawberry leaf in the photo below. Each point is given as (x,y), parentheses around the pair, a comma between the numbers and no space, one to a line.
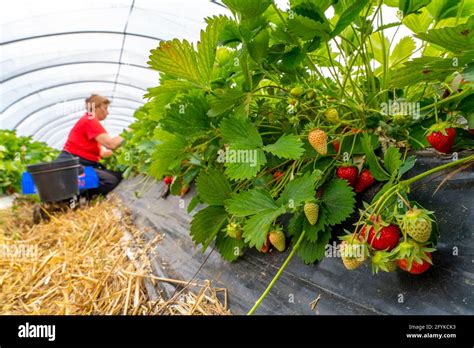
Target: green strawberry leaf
(307,28)
(223,100)
(167,91)
(213,187)
(311,252)
(179,59)
(455,39)
(418,22)
(256,228)
(250,202)
(287,146)
(392,159)
(407,165)
(193,204)
(338,201)
(298,191)
(248,8)
(295,226)
(240,133)
(258,46)
(187,116)
(175,187)
(348,16)
(244,163)
(411,6)
(206,224)
(377,171)
(402,51)
(229,248)
(170,150)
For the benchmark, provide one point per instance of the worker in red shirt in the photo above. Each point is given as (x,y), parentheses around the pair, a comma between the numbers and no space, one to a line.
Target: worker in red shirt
(89,141)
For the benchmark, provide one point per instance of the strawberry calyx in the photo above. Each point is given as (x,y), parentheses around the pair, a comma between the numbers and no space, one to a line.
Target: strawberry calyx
(408,252)
(382,260)
(356,247)
(440,127)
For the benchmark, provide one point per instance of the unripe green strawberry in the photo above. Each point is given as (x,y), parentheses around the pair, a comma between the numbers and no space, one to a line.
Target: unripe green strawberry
(319,141)
(297,91)
(277,239)
(417,224)
(381,261)
(234,230)
(352,254)
(311,210)
(310,94)
(332,115)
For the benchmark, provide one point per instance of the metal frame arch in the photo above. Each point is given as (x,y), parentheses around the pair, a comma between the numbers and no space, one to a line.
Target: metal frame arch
(79,32)
(74,63)
(71,83)
(67,121)
(47,135)
(23,119)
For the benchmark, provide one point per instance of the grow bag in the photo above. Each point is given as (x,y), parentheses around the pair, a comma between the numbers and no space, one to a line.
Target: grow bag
(446,288)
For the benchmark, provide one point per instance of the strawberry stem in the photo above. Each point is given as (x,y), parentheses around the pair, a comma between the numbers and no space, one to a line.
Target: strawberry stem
(410,181)
(275,278)
(403,200)
(436,110)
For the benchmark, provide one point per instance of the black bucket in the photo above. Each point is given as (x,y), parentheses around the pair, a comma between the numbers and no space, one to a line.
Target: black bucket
(56,181)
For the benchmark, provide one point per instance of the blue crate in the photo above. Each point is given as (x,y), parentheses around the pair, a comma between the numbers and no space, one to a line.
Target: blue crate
(87,180)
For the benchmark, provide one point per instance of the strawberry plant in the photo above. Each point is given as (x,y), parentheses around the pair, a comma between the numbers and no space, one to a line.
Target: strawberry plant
(15,154)
(296,113)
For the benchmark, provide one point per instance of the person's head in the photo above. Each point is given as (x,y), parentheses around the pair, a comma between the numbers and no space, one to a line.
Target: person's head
(98,106)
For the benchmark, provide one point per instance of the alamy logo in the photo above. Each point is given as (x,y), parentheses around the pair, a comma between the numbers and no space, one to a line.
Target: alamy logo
(401,107)
(237,156)
(34,331)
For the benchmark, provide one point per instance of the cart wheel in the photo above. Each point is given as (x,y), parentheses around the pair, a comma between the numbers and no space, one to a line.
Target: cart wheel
(39,215)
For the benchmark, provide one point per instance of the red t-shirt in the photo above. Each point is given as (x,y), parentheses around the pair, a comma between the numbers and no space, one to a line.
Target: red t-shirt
(81,140)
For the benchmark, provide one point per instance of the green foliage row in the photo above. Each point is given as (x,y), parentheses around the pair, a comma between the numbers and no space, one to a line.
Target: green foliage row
(16,152)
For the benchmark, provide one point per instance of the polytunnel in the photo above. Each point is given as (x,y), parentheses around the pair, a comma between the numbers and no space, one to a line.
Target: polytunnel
(56,53)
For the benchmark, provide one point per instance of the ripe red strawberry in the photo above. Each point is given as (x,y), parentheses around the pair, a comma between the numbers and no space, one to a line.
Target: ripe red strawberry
(364,181)
(168,180)
(266,246)
(386,239)
(319,141)
(337,145)
(442,142)
(348,173)
(416,267)
(277,175)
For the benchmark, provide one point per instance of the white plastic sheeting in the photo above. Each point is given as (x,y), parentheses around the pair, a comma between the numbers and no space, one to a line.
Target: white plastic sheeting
(55,53)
